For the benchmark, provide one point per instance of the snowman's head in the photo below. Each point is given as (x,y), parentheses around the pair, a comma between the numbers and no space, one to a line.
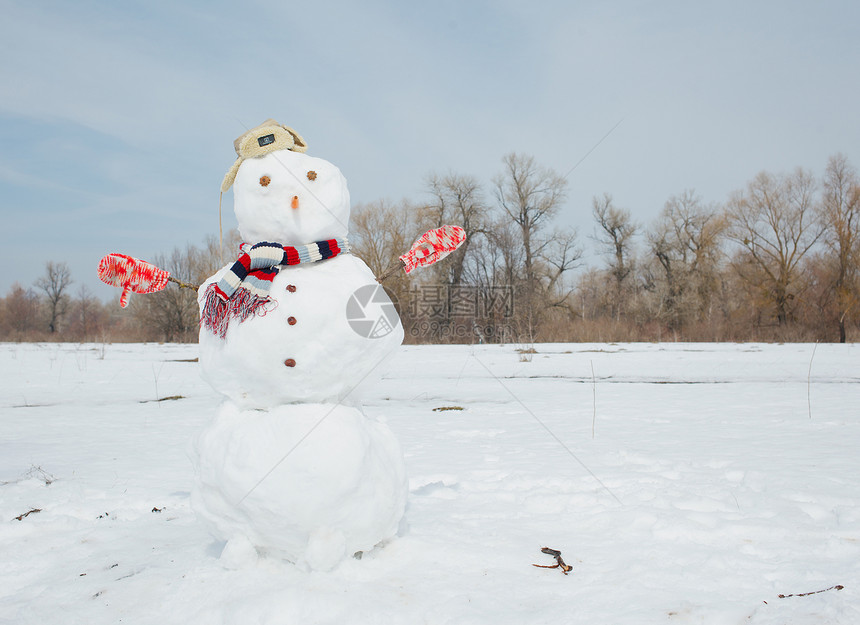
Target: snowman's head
(290,198)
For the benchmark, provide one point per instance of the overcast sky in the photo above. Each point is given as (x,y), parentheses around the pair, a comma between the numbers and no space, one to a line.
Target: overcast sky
(117,118)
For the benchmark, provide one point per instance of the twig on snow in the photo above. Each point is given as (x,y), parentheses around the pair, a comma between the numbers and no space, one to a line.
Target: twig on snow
(40,474)
(26,514)
(814,592)
(559,563)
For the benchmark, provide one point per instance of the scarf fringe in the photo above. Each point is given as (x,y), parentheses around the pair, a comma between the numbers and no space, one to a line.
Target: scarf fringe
(217,309)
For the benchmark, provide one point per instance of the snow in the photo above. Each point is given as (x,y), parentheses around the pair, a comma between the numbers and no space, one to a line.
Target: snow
(684,483)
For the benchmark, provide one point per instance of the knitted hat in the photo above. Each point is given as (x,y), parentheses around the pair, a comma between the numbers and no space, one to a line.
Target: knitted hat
(265,138)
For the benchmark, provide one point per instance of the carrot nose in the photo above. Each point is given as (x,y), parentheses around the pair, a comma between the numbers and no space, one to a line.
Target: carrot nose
(295,202)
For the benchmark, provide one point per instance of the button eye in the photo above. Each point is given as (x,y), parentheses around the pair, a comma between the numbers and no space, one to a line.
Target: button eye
(312,175)
(264,181)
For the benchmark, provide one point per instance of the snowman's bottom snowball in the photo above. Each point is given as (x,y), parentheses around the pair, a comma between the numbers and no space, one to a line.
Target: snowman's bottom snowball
(309,483)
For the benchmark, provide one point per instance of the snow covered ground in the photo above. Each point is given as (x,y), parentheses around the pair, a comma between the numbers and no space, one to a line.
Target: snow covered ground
(685,483)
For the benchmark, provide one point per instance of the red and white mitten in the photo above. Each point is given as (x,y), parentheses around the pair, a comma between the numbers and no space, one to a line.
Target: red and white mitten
(433,246)
(131,274)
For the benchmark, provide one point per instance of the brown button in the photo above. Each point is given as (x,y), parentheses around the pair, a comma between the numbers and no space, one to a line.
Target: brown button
(291,288)
(291,321)
(290,362)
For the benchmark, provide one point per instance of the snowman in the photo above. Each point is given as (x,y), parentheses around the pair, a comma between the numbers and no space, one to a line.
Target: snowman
(290,333)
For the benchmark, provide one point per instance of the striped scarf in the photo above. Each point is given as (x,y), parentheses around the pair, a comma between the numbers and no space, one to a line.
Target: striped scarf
(244,288)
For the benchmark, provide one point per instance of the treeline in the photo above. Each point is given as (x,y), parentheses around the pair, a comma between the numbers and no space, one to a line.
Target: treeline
(778,261)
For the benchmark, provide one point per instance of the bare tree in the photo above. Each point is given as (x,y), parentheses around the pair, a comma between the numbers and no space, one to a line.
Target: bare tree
(54,283)
(686,243)
(616,229)
(774,221)
(840,215)
(529,196)
(19,312)
(171,315)
(501,259)
(381,231)
(457,199)
(86,314)
(561,254)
